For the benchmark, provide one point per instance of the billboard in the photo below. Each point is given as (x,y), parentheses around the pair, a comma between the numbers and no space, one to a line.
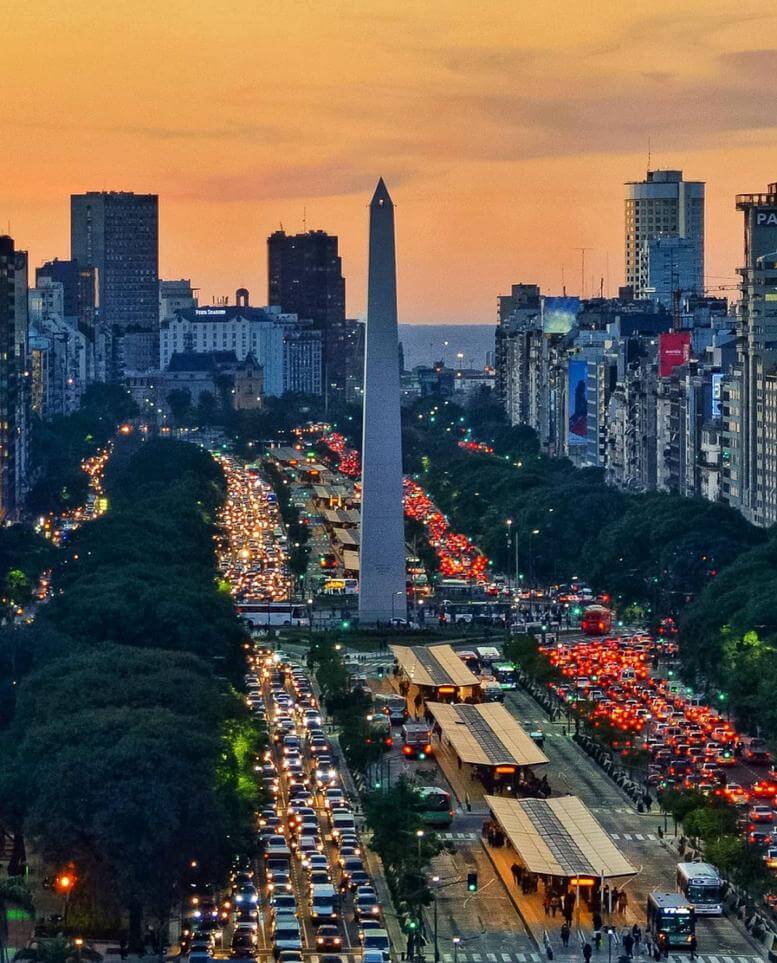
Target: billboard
(577,426)
(674,350)
(761,238)
(715,407)
(559,315)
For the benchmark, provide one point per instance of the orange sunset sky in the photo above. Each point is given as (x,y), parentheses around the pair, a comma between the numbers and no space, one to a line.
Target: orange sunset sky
(504,128)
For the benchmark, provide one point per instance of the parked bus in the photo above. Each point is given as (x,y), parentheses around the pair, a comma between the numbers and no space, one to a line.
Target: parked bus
(505,675)
(671,920)
(701,885)
(416,740)
(437,806)
(488,655)
(596,620)
(261,614)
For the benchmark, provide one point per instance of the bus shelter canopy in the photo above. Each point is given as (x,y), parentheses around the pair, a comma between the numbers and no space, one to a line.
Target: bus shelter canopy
(433,666)
(559,837)
(486,735)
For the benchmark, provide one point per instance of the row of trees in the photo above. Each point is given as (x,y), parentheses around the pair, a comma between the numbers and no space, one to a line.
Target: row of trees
(59,445)
(127,753)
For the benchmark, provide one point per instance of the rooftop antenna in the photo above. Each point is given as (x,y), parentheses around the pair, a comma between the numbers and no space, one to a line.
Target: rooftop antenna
(304,220)
(582,269)
(563,283)
(649,156)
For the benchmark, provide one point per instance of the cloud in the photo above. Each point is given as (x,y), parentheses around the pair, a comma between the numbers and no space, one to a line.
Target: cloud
(336,177)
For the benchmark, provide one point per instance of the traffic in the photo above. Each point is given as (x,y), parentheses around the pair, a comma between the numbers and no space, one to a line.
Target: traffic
(309,889)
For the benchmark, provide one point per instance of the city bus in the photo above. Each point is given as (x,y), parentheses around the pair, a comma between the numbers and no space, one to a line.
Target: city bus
(596,620)
(261,614)
(394,706)
(701,885)
(437,806)
(416,740)
(505,675)
(671,920)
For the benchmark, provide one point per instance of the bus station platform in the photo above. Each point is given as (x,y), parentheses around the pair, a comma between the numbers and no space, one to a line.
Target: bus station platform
(434,673)
(490,747)
(554,850)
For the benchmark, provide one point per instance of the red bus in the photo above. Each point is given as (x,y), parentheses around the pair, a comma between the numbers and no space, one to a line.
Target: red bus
(596,620)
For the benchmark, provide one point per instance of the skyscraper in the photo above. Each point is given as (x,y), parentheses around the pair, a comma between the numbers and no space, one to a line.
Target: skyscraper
(750,395)
(304,277)
(663,204)
(382,580)
(12,263)
(117,233)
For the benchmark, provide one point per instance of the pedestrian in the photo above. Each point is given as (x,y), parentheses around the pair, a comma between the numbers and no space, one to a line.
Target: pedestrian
(636,932)
(648,801)
(546,904)
(598,939)
(597,920)
(565,931)
(623,902)
(628,944)
(555,904)
(614,899)
(587,951)
(692,944)
(515,869)
(606,898)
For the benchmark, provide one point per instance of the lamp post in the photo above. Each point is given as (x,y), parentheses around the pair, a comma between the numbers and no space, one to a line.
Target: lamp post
(435,880)
(419,835)
(534,531)
(78,942)
(456,941)
(509,524)
(393,596)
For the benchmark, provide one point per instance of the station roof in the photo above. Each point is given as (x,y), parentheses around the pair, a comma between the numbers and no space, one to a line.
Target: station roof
(351,561)
(559,837)
(341,516)
(346,537)
(487,735)
(433,665)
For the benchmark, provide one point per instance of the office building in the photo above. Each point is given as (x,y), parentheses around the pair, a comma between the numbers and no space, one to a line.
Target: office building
(667,269)
(175,296)
(304,277)
(749,479)
(663,204)
(11,263)
(117,234)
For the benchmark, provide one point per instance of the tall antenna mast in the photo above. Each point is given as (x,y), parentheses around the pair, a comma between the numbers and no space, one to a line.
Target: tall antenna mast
(649,155)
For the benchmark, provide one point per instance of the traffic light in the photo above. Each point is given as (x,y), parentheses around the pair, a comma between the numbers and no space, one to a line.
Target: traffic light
(412,925)
(472,882)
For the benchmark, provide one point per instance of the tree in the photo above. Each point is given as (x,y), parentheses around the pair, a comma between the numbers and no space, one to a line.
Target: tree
(179,401)
(13,893)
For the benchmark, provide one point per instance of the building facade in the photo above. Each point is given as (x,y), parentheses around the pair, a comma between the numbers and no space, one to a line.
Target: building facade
(663,204)
(116,233)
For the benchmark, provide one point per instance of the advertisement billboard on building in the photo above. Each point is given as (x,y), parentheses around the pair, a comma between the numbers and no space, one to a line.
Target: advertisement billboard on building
(559,314)
(674,350)
(715,409)
(577,426)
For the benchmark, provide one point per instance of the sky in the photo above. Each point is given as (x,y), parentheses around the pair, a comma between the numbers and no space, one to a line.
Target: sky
(505,130)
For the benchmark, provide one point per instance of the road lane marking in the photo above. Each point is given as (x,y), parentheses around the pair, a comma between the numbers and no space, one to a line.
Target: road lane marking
(627,836)
(638,836)
(507,958)
(476,957)
(652,837)
(521,957)
(615,835)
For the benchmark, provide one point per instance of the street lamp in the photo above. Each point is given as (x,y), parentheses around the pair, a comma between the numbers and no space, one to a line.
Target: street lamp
(456,941)
(419,834)
(509,524)
(78,943)
(393,596)
(435,881)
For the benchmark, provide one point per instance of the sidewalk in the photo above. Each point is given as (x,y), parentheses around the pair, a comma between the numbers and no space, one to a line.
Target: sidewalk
(464,787)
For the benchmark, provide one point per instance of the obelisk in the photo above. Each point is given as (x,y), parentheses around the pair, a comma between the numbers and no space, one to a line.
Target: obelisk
(382,592)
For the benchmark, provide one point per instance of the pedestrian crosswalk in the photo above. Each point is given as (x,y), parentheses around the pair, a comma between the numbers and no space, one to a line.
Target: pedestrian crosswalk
(457,836)
(635,837)
(559,953)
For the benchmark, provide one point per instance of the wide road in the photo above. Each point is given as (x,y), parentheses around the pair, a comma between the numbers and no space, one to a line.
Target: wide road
(637,835)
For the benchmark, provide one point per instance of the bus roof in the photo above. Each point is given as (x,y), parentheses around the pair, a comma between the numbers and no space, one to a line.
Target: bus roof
(424,791)
(504,665)
(698,869)
(670,901)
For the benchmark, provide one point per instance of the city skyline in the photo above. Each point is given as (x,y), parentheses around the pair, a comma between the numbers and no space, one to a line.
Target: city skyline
(506,155)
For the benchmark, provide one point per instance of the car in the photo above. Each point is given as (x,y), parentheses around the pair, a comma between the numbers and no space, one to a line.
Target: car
(286,934)
(334,797)
(366,906)
(377,940)
(760,814)
(290,956)
(316,862)
(247,926)
(247,894)
(246,912)
(283,904)
(319,877)
(328,937)
(199,956)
